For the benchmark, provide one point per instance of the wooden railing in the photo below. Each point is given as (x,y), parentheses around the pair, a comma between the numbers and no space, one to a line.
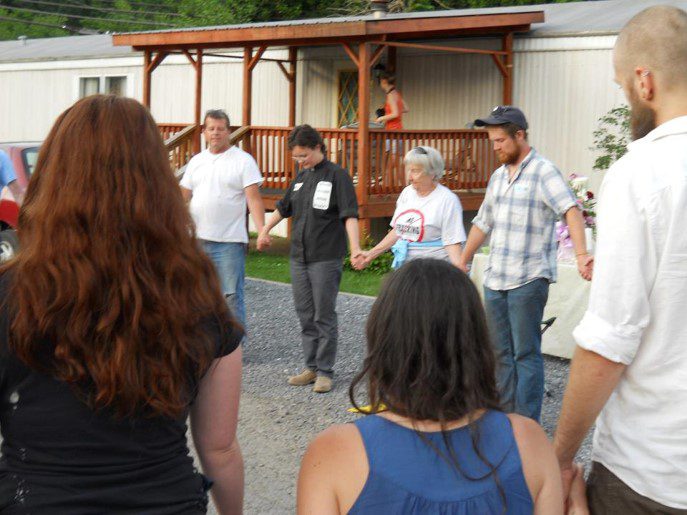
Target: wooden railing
(467,154)
(170,129)
(468,157)
(180,147)
(269,146)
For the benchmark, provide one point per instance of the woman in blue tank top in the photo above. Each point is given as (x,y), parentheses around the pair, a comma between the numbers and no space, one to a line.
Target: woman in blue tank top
(437,442)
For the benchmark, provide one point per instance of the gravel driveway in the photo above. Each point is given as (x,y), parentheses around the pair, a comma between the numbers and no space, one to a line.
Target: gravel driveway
(277,420)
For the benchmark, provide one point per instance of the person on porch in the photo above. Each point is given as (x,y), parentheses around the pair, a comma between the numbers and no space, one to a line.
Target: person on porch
(218,183)
(394,106)
(524,198)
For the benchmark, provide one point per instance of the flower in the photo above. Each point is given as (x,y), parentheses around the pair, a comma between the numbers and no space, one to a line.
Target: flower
(590,195)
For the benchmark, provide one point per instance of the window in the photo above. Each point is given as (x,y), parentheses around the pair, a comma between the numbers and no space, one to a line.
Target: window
(107,85)
(347,102)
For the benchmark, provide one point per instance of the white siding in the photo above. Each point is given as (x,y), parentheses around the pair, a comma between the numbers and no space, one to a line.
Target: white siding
(564,84)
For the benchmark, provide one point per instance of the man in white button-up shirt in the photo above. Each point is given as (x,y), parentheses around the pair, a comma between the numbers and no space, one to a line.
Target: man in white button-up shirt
(630,367)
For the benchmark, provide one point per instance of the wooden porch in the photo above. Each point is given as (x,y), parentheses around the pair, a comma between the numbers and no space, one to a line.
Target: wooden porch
(373,157)
(467,153)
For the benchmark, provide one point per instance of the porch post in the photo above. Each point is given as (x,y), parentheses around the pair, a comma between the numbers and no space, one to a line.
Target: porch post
(199,85)
(363,134)
(247,86)
(146,78)
(507,46)
(391,59)
(247,93)
(293,65)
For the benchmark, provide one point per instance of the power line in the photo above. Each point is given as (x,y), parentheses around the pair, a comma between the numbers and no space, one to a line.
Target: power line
(141,4)
(102,9)
(39,24)
(110,20)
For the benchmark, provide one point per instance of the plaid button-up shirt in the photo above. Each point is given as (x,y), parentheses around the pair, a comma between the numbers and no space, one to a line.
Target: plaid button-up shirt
(521,217)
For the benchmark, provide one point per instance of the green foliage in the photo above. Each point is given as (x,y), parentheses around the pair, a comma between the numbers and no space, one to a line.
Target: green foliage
(135,15)
(612,137)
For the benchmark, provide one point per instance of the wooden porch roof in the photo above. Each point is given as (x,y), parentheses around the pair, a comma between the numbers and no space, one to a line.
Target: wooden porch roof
(325,31)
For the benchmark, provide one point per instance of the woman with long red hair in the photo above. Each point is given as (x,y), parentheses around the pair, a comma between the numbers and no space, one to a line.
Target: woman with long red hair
(113,330)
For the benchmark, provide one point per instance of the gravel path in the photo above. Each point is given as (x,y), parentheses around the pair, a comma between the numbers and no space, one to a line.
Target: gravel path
(277,420)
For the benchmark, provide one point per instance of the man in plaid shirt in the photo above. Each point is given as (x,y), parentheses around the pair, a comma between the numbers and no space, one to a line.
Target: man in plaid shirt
(524,198)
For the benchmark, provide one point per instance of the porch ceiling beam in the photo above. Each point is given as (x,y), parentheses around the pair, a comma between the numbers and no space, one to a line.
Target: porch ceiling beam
(377,54)
(190,58)
(156,61)
(500,65)
(254,60)
(289,76)
(351,53)
(458,50)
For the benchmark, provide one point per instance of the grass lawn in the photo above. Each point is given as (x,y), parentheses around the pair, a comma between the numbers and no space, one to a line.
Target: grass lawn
(273,265)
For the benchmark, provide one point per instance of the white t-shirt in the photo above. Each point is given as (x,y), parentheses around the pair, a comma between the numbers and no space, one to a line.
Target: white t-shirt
(636,315)
(438,216)
(218,204)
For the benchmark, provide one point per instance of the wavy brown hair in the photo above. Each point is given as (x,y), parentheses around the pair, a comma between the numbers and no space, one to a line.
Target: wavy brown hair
(110,291)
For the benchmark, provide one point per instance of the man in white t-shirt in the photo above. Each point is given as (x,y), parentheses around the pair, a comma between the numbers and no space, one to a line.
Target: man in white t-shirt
(630,366)
(219,183)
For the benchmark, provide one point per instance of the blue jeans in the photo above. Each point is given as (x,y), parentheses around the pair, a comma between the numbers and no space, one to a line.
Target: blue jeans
(229,259)
(514,318)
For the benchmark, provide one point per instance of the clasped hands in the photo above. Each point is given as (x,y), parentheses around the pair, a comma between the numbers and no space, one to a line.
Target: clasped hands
(360,259)
(263,240)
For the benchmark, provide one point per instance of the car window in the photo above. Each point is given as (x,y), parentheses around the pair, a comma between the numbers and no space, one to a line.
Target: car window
(30,156)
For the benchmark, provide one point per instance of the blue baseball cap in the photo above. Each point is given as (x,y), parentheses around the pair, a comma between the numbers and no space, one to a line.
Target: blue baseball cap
(503,114)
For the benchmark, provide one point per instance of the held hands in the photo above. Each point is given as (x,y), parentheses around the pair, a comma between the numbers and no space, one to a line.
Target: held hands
(576,501)
(264,240)
(585,266)
(360,259)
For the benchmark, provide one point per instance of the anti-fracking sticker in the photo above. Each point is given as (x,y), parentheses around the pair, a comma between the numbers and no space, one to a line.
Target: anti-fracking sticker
(410,225)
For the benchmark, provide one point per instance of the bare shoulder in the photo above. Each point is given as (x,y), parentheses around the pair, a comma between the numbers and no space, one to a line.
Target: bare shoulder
(336,443)
(526,429)
(333,471)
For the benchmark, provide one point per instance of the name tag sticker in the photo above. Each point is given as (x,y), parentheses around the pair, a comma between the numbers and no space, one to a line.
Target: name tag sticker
(323,194)
(297,186)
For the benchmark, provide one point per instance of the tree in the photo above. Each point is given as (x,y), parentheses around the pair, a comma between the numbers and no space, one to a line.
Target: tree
(46,18)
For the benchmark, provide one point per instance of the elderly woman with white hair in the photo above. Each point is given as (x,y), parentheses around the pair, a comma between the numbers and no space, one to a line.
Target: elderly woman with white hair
(428,221)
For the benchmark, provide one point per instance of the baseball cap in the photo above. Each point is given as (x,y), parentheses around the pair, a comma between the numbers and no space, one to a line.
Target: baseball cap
(503,114)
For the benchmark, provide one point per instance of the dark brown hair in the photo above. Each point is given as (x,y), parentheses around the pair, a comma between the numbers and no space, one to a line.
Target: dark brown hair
(428,352)
(305,136)
(387,76)
(110,292)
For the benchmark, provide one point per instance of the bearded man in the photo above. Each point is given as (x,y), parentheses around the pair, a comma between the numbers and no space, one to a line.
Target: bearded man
(630,365)
(524,198)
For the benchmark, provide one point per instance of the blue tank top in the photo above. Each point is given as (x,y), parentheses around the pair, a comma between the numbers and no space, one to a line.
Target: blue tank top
(407,476)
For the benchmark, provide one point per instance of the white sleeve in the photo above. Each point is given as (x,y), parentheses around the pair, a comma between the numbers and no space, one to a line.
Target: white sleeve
(251,174)
(452,229)
(187,179)
(625,265)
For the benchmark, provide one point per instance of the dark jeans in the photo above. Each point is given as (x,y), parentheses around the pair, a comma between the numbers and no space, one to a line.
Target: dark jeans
(315,287)
(608,495)
(514,318)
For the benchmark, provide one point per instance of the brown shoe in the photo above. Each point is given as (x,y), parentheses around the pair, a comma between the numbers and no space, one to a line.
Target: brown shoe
(322,385)
(303,379)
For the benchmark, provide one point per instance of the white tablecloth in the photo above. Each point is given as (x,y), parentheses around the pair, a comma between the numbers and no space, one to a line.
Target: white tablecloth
(567,302)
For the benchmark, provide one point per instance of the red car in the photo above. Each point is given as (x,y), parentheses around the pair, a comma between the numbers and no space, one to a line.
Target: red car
(23,157)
